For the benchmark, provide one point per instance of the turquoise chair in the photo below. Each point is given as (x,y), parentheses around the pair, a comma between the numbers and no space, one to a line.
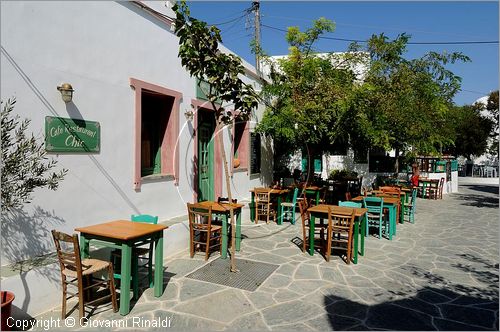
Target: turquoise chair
(411,206)
(288,208)
(375,214)
(138,253)
(141,252)
(350,204)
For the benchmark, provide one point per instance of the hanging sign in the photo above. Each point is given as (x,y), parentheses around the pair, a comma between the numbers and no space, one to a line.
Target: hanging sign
(70,135)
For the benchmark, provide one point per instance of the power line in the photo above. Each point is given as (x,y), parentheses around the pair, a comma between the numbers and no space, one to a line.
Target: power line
(409,43)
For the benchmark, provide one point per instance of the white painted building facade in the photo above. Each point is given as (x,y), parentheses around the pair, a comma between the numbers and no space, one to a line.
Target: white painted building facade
(110,52)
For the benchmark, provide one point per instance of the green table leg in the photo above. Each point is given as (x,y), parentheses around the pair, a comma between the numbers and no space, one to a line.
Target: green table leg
(135,276)
(356,234)
(280,211)
(364,222)
(311,235)
(159,265)
(252,208)
(84,246)
(224,236)
(125,279)
(317,197)
(238,230)
(402,214)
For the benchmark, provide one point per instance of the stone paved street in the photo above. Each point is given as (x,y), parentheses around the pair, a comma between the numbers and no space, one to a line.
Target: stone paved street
(440,273)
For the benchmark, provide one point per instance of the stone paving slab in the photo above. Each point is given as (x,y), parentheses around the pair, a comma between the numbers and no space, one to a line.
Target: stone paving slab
(440,273)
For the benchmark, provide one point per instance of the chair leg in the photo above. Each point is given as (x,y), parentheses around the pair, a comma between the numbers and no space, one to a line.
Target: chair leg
(207,249)
(380,228)
(191,246)
(150,268)
(64,287)
(81,300)
(328,245)
(112,287)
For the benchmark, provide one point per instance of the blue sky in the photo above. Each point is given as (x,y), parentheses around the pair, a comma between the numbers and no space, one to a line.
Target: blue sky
(425,21)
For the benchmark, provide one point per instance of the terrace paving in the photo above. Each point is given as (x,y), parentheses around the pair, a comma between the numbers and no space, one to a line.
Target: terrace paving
(441,273)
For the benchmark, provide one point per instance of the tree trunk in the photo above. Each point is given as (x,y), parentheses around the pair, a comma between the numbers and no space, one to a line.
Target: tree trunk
(396,162)
(220,140)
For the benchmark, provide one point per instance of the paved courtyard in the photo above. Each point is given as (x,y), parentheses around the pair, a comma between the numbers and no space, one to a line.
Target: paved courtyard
(440,273)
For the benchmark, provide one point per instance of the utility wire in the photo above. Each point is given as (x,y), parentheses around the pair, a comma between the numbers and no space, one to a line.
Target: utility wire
(409,43)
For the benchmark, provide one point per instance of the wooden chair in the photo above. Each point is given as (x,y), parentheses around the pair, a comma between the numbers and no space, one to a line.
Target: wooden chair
(348,196)
(75,271)
(226,200)
(410,206)
(340,229)
(319,228)
(441,185)
(264,207)
(375,215)
(288,208)
(201,230)
(433,190)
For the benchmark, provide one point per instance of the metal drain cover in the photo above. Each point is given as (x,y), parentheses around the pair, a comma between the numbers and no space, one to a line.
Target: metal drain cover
(250,276)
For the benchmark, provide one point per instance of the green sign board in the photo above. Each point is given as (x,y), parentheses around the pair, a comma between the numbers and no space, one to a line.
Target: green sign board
(70,135)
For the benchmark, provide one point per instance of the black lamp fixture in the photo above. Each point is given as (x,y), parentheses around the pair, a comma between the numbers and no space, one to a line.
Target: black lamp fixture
(66,91)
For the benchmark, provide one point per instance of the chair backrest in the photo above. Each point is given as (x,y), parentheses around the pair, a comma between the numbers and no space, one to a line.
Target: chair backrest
(441,183)
(226,200)
(304,214)
(262,195)
(350,204)
(374,204)
(348,196)
(434,184)
(340,222)
(145,218)
(68,252)
(199,218)
(413,197)
(390,189)
(295,194)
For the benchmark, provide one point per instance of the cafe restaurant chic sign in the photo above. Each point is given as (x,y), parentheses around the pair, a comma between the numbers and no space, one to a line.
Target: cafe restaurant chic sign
(71,135)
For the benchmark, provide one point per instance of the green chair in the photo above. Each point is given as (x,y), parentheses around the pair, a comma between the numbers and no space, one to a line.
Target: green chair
(288,208)
(350,204)
(145,253)
(375,214)
(411,206)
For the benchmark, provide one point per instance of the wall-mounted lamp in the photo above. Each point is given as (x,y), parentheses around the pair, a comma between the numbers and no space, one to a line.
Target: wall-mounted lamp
(189,114)
(66,92)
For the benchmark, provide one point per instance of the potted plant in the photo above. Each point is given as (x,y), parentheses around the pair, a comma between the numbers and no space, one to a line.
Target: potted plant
(7,298)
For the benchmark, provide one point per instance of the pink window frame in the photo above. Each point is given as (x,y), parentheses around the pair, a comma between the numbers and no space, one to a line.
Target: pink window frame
(244,147)
(169,145)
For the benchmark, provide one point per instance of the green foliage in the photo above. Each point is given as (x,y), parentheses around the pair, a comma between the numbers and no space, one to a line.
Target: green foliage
(310,95)
(25,165)
(470,129)
(492,107)
(200,55)
(404,102)
(340,174)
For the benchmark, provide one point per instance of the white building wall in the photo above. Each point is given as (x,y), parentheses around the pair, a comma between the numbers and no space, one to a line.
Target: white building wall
(97,47)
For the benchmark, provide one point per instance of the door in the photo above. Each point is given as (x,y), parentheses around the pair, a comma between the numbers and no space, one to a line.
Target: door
(205,159)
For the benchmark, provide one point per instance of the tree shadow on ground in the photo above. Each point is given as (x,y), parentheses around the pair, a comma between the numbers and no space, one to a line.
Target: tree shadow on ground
(479,201)
(440,305)
(491,189)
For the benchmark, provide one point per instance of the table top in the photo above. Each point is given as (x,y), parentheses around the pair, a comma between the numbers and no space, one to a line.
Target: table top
(219,207)
(323,208)
(273,191)
(122,229)
(390,200)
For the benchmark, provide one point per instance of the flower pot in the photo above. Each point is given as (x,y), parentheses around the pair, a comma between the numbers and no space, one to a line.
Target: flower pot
(236,163)
(7,298)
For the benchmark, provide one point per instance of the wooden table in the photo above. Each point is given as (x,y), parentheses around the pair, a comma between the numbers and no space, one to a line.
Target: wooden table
(124,235)
(223,209)
(321,211)
(391,204)
(274,191)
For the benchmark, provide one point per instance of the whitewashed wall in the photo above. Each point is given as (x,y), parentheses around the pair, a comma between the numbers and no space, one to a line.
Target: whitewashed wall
(97,47)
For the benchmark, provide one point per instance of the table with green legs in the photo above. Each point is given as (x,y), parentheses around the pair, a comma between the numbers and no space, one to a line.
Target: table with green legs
(278,193)
(125,235)
(224,210)
(321,211)
(390,203)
